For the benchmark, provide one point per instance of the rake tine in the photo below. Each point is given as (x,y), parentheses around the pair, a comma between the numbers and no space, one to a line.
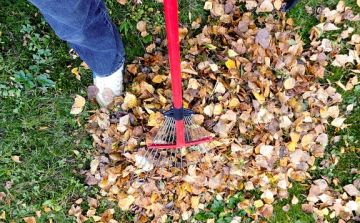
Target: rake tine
(199,162)
(152,161)
(157,163)
(170,160)
(175,160)
(140,163)
(165,125)
(208,154)
(162,168)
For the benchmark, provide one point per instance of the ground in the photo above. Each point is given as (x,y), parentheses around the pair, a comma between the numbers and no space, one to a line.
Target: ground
(44,149)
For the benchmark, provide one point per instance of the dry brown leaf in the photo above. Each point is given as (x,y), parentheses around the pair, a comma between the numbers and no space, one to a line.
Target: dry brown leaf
(338,122)
(92,91)
(265,6)
(3,215)
(141,26)
(124,203)
(289,83)
(130,101)
(16,159)
(78,105)
(30,220)
(123,2)
(352,190)
(262,37)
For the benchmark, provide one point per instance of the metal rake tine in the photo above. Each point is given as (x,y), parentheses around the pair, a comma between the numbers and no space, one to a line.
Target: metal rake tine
(157,163)
(219,152)
(199,162)
(152,161)
(166,134)
(141,162)
(170,159)
(162,129)
(208,154)
(162,167)
(175,161)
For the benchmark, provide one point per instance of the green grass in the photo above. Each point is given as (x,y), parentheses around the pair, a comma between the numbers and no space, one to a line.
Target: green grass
(295,214)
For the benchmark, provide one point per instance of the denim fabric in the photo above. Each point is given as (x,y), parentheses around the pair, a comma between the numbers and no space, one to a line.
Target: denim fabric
(86,26)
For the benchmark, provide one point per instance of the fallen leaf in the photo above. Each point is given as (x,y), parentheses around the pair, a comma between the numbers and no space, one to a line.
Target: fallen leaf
(294,200)
(230,64)
(262,36)
(130,101)
(76,72)
(30,220)
(92,91)
(123,2)
(259,97)
(352,190)
(289,83)
(141,26)
(124,203)
(16,159)
(266,6)
(3,215)
(220,88)
(338,122)
(78,105)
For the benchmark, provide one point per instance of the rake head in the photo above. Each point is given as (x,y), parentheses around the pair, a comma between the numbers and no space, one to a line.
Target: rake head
(168,157)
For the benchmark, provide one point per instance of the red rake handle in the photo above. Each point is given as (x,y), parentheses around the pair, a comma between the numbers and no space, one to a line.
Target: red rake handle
(172,33)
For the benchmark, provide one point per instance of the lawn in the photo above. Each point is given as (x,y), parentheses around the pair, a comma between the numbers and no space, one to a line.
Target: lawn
(45,151)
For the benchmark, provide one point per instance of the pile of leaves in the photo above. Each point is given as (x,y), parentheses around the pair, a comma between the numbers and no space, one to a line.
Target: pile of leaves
(255,89)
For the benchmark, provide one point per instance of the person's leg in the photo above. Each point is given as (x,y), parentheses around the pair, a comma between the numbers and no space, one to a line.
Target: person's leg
(289,4)
(86,26)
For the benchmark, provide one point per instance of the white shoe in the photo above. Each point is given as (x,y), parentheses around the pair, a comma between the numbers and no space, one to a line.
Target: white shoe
(109,87)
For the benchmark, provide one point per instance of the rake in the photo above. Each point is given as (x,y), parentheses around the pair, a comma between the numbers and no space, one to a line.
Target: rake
(180,142)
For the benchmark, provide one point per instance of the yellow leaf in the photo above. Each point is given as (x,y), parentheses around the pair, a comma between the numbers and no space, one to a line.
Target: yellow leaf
(3,215)
(234,103)
(76,72)
(159,79)
(162,99)
(78,105)
(291,146)
(293,102)
(358,3)
(230,64)
(130,100)
(259,97)
(258,203)
(154,197)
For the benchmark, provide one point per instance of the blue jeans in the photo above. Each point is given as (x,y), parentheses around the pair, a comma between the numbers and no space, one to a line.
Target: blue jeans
(86,26)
